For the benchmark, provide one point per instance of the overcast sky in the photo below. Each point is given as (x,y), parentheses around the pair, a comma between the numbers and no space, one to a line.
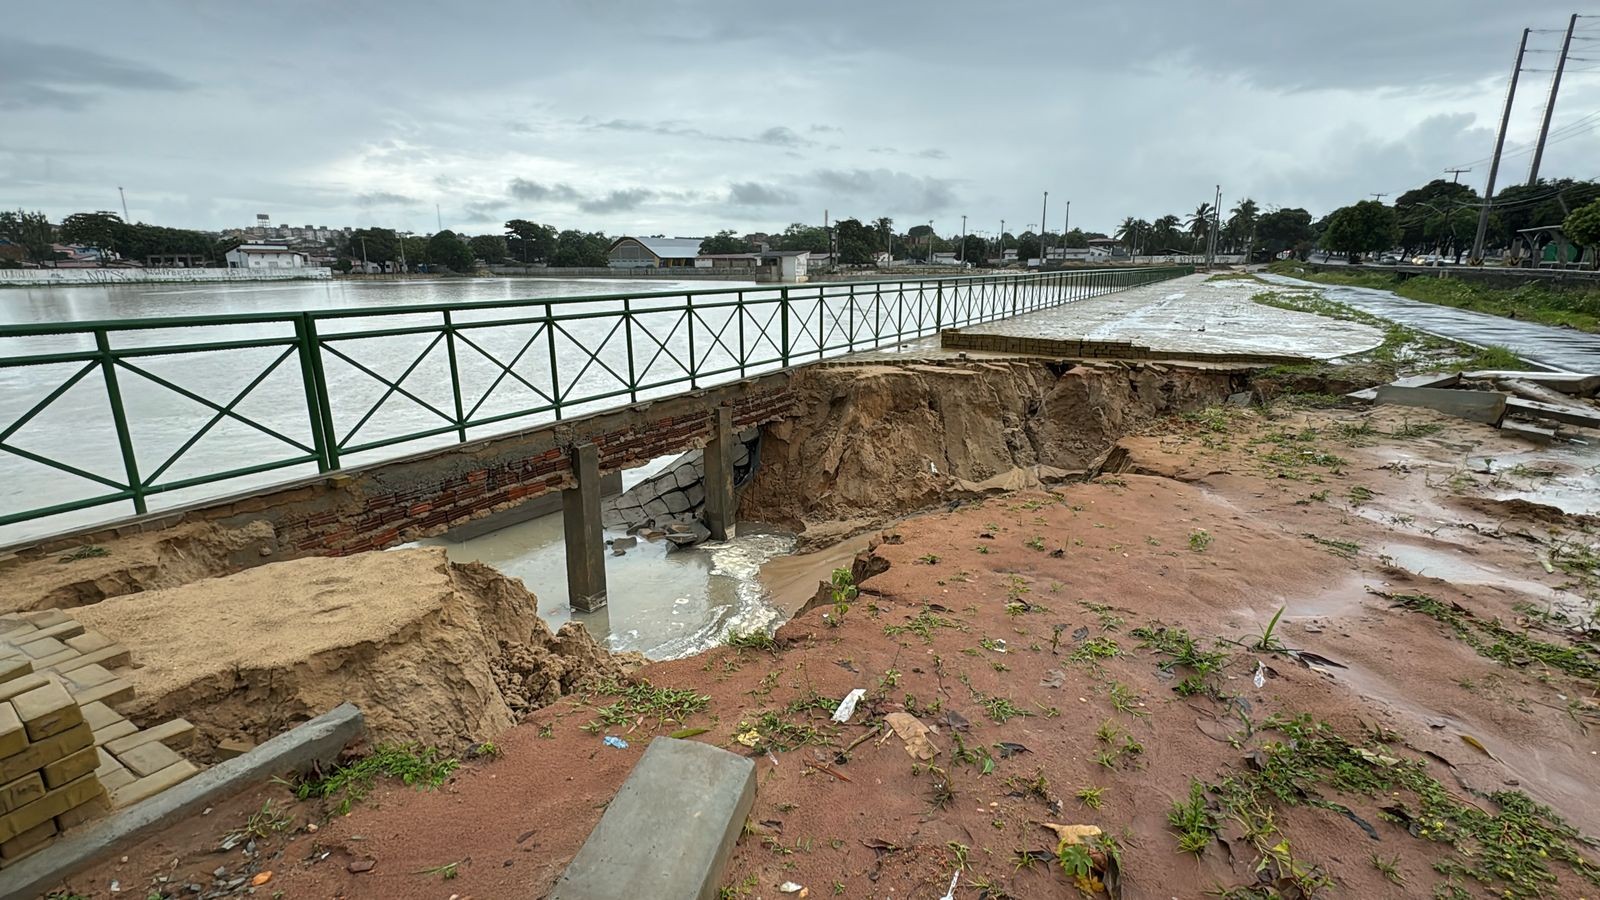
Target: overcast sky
(683,118)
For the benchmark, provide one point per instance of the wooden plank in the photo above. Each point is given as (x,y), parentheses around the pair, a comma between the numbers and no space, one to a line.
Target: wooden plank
(1570,415)
(1488,407)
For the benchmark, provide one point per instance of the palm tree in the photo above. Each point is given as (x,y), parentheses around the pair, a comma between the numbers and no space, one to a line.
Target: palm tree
(1199,223)
(1164,233)
(1242,224)
(1128,232)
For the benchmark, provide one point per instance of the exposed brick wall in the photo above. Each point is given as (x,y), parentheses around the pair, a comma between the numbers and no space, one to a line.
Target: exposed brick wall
(952,339)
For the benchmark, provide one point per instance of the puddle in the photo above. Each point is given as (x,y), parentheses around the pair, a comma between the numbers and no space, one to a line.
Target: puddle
(1450,565)
(663,604)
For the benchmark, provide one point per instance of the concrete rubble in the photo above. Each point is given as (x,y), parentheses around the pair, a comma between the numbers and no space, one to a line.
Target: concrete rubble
(1535,405)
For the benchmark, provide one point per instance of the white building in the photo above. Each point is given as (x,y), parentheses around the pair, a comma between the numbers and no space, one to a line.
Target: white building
(652,253)
(265,256)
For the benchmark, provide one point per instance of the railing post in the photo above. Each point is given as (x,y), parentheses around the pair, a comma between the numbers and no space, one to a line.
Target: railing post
(455,376)
(822,313)
(319,379)
(938,308)
(309,382)
(688,312)
(783,325)
(119,417)
(852,319)
(555,379)
(627,335)
(583,532)
(738,310)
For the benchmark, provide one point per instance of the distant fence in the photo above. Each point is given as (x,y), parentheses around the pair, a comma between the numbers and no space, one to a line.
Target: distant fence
(47,277)
(126,410)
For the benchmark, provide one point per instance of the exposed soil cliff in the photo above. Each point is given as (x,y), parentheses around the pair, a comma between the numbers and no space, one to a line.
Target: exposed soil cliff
(431,651)
(880,440)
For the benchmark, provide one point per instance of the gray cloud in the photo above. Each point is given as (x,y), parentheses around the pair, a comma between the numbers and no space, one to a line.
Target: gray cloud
(385,198)
(751,193)
(537,192)
(70,78)
(484,210)
(776,136)
(888,189)
(621,200)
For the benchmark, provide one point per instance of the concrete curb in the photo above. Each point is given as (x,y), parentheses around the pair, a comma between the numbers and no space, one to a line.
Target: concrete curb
(319,740)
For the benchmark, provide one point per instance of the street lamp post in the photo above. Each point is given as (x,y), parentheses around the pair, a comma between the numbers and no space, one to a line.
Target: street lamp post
(1044,208)
(963,254)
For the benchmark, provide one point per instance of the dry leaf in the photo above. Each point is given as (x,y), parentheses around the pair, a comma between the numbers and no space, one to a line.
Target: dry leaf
(1477,745)
(260,879)
(1072,834)
(915,734)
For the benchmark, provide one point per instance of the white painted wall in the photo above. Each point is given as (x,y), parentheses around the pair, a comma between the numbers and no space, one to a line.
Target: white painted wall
(44,277)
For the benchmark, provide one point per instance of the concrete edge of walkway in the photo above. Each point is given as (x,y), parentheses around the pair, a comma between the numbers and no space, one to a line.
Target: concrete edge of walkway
(319,740)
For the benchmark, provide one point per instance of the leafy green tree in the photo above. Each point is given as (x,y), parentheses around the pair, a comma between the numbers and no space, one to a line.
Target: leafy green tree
(343,265)
(799,236)
(1164,235)
(375,245)
(1281,230)
(99,230)
(1582,227)
(974,250)
(1027,246)
(856,242)
(413,251)
(1074,238)
(724,241)
(530,242)
(883,228)
(223,246)
(491,248)
(580,248)
(31,231)
(1427,213)
(1364,227)
(1525,206)
(446,248)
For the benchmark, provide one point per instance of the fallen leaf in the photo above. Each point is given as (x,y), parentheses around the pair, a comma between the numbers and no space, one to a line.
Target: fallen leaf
(1072,834)
(915,735)
(1053,679)
(1375,758)
(1009,749)
(260,879)
(361,865)
(1477,745)
(687,732)
(749,738)
(956,721)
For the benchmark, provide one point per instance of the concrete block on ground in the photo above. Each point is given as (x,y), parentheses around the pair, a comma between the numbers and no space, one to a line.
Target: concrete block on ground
(173,733)
(13,737)
(44,618)
(99,715)
(89,641)
(43,647)
(669,831)
(677,502)
(47,711)
(1488,407)
(41,753)
(317,741)
(14,667)
(27,842)
(1571,415)
(154,783)
(21,792)
(31,681)
(94,809)
(62,632)
(115,692)
(52,804)
(147,758)
(70,768)
(118,729)
(233,748)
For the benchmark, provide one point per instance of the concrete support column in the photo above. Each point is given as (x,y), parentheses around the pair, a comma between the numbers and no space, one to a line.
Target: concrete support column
(720,502)
(585,541)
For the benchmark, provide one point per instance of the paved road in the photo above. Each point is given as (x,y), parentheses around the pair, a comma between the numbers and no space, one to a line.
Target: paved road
(1558,348)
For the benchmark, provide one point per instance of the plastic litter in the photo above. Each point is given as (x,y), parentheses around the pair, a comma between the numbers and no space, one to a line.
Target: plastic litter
(847,706)
(789,887)
(951,894)
(1260,676)
(616,742)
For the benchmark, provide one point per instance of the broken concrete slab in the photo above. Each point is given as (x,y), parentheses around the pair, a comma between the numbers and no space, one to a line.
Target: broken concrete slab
(1528,390)
(1581,384)
(1488,407)
(669,831)
(1425,380)
(1569,414)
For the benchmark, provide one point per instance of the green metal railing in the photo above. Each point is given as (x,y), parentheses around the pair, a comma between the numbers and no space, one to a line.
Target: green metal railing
(312,380)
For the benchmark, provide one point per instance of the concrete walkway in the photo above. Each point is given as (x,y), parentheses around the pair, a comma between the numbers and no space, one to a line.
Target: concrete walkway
(1188,314)
(1558,348)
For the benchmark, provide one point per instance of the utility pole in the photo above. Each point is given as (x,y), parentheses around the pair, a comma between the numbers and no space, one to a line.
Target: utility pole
(438,217)
(1002,241)
(1499,145)
(963,256)
(364,266)
(400,244)
(1457,174)
(1211,236)
(930,242)
(1043,208)
(1550,104)
(125,198)
(1065,220)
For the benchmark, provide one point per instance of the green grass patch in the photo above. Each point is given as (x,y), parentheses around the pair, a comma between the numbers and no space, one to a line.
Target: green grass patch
(1509,648)
(1513,850)
(416,766)
(1400,343)
(641,699)
(922,625)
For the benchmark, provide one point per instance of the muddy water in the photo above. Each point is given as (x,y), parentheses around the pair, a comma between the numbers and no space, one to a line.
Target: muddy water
(663,603)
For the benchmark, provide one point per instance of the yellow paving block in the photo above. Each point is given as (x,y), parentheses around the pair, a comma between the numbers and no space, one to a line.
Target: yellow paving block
(115,692)
(10,689)
(47,711)
(21,792)
(13,737)
(41,753)
(94,809)
(173,733)
(118,729)
(147,758)
(27,842)
(52,804)
(42,647)
(14,667)
(99,715)
(151,785)
(111,657)
(73,767)
(89,641)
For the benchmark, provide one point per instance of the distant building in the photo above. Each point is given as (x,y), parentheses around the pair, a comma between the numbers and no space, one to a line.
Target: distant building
(265,256)
(1105,247)
(652,253)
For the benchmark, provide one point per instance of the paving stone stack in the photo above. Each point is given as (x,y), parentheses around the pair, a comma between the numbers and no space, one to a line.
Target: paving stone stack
(66,755)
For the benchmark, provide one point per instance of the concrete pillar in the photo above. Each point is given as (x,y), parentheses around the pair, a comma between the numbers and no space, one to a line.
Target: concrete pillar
(720,502)
(585,541)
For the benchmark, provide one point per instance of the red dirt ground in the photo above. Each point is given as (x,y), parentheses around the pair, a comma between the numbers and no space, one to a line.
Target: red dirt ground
(1212,525)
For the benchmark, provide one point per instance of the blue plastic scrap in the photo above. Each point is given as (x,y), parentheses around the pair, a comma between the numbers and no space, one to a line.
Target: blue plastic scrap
(616,742)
